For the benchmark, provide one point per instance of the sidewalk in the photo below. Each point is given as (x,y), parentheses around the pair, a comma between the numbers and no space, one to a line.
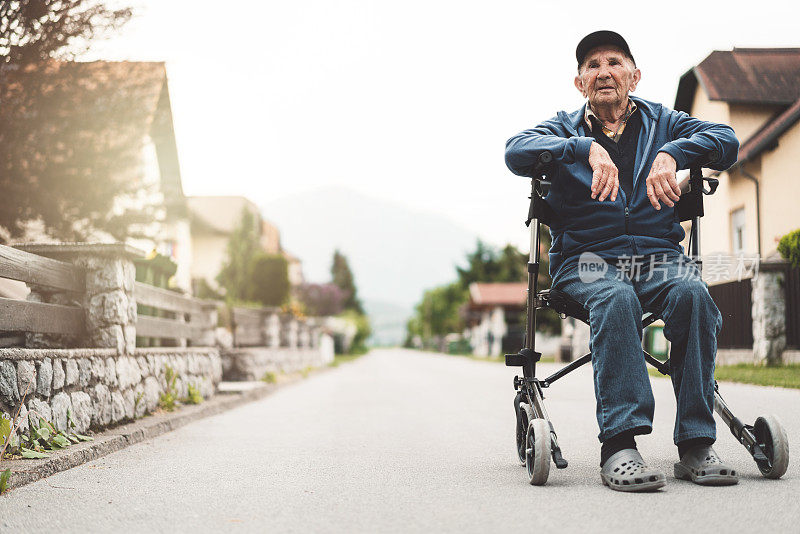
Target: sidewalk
(230,395)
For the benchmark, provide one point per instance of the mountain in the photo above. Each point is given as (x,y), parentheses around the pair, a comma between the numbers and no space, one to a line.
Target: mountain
(394,252)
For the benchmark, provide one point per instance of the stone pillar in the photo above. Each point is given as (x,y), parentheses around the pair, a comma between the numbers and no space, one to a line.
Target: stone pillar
(288,331)
(273,328)
(294,325)
(313,332)
(304,334)
(769,314)
(209,323)
(108,301)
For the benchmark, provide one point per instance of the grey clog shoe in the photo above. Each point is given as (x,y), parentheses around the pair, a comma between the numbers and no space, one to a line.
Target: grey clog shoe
(626,471)
(702,466)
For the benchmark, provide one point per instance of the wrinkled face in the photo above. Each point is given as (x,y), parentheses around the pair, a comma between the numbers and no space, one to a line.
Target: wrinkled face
(607,76)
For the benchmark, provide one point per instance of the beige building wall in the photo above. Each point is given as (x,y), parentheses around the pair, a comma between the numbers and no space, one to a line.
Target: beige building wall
(734,191)
(705,109)
(209,252)
(714,225)
(742,194)
(295,271)
(270,238)
(780,190)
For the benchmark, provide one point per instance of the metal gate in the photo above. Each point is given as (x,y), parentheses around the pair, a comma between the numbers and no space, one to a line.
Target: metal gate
(735,302)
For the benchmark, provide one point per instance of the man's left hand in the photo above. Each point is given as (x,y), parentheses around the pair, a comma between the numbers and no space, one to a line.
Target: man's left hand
(661,182)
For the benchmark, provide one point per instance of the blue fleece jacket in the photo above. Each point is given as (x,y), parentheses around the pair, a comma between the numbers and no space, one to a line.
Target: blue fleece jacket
(626,226)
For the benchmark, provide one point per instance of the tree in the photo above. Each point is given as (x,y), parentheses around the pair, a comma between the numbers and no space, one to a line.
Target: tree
(343,278)
(363,330)
(268,279)
(71,134)
(439,312)
(487,264)
(481,266)
(321,299)
(37,30)
(242,247)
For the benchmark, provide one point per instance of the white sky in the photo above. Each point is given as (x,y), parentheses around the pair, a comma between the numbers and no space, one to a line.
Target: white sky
(410,101)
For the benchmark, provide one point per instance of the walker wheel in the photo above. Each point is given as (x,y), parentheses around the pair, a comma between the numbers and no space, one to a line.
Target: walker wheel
(537,452)
(771,437)
(524,416)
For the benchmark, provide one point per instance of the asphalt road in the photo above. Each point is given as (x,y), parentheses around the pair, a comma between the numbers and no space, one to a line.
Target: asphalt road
(402,441)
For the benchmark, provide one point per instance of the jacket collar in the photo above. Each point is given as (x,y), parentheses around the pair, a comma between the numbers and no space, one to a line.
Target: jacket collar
(573,122)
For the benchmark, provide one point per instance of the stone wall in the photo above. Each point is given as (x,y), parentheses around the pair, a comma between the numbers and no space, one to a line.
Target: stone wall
(99,386)
(251,363)
(108,301)
(769,317)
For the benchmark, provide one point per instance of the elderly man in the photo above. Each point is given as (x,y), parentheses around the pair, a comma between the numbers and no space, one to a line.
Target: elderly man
(613,192)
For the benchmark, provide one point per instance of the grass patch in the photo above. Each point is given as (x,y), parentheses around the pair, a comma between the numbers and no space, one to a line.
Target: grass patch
(339,359)
(194,396)
(785,376)
(169,399)
(269,377)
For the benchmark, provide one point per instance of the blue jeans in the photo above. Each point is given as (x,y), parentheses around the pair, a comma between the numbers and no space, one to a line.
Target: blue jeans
(615,296)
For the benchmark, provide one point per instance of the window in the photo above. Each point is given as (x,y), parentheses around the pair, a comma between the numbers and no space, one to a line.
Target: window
(737,230)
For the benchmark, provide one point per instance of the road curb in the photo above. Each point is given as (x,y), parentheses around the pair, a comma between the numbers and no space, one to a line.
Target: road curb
(115,439)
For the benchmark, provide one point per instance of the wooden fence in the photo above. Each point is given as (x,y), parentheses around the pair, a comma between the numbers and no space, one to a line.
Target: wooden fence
(103,315)
(27,316)
(269,327)
(192,323)
(248,327)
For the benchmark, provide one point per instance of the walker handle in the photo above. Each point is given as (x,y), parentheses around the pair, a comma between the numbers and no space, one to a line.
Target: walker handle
(704,161)
(545,158)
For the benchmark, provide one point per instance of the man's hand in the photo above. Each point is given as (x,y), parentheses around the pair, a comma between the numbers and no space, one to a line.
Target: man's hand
(605,177)
(661,182)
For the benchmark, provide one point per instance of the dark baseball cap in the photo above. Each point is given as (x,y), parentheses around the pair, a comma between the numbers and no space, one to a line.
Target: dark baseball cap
(599,38)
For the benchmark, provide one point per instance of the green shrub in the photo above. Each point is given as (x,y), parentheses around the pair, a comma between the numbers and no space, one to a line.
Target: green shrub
(269,279)
(363,331)
(269,377)
(169,399)
(789,247)
(194,396)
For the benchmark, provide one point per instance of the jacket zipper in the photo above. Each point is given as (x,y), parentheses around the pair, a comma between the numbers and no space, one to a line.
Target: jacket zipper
(626,220)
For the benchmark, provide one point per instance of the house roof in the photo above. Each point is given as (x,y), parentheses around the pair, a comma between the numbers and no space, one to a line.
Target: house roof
(744,76)
(497,294)
(767,136)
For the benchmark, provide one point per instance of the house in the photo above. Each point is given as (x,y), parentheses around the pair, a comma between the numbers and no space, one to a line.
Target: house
(124,112)
(213,220)
(496,313)
(757,92)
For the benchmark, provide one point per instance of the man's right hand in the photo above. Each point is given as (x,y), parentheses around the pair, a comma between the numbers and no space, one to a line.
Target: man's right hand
(605,176)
